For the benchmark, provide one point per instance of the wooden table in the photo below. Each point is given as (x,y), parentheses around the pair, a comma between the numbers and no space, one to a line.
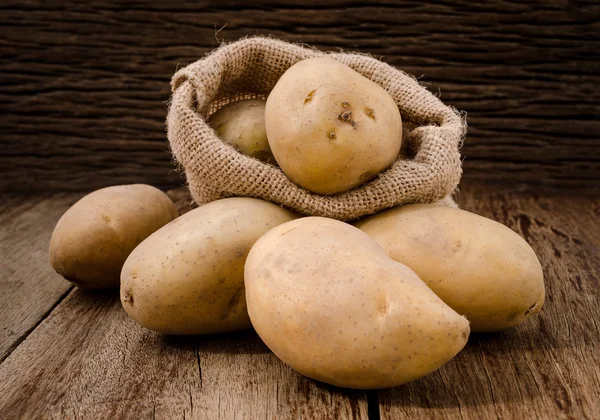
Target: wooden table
(83,100)
(70,354)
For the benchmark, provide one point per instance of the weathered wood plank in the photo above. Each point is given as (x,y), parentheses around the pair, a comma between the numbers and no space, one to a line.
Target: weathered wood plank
(88,360)
(85,85)
(30,288)
(548,367)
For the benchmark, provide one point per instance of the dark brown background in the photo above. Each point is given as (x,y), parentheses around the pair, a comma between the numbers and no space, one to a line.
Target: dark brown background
(83,95)
(85,85)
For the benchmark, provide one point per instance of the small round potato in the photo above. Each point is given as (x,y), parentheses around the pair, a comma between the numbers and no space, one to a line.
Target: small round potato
(330,128)
(479,267)
(330,303)
(242,125)
(94,237)
(188,277)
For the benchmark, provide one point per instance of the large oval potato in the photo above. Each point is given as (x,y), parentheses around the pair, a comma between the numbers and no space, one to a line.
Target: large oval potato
(94,237)
(330,128)
(242,125)
(188,277)
(330,303)
(479,267)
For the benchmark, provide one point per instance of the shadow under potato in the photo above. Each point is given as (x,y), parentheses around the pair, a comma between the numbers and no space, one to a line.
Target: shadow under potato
(235,342)
(494,376)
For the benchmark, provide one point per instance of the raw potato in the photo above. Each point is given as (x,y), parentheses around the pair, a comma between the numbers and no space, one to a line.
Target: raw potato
(479,267)
(330,303)
(94,237)
(188,277)
(242,125)
(330,128)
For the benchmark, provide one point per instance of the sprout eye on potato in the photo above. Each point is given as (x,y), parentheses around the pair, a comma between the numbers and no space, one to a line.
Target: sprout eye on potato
(479,267)
(330,128)
(94,237)
(188,277)
(329,302)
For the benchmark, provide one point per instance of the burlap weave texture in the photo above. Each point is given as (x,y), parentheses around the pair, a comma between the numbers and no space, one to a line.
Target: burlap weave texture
(250,68)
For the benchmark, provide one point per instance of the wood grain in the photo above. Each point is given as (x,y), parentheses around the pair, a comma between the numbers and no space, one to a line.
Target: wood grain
(85,85)
(88,360)
(30,288)
(547,368)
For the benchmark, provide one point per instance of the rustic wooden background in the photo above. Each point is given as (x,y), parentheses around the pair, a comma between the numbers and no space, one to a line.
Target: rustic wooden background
(83,94)
(85,85)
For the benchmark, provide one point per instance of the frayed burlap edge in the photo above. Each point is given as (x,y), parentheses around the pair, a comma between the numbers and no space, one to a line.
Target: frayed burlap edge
(250,68)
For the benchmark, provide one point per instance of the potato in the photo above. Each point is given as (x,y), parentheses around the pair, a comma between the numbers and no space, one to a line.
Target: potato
(330,128)
(188,277)
(479,267)
(94,237)
(242,125)
(330,303)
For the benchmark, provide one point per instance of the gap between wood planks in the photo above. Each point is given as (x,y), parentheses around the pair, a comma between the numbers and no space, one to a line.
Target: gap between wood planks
(30,288)
(373,405)
(16,344)
(89,357)
(543,369)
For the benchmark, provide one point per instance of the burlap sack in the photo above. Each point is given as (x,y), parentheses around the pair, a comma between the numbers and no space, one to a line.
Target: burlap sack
(427,171)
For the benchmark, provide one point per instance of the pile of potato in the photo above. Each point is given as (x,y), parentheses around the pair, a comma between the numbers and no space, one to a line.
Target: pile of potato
(370,305)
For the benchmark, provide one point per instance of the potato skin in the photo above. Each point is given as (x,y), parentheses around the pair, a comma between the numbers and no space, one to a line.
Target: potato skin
(479,267)
(188,277)
(94,237)
(242,125)
(330,128)
(330,303)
